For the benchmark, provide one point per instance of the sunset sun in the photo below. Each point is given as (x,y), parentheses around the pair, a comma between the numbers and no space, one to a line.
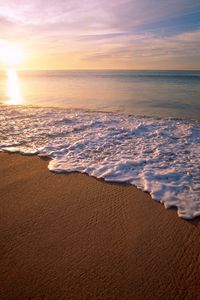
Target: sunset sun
(11,55)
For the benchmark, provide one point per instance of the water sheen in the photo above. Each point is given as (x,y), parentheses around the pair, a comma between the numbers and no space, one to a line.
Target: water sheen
(153,93)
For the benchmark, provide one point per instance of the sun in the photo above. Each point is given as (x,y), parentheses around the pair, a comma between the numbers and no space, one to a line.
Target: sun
(11,55)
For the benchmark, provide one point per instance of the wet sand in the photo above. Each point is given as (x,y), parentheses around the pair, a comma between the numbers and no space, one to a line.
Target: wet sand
(70,236)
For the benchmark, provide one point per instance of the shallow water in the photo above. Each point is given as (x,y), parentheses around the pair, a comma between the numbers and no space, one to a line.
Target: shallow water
(129,144)
(160,156)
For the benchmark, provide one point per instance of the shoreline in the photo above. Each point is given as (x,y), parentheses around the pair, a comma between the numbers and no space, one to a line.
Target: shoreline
(72,236)
(107,112)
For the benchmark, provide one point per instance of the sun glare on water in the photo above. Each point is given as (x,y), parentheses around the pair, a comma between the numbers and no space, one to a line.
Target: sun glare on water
(12,56)
(13,88)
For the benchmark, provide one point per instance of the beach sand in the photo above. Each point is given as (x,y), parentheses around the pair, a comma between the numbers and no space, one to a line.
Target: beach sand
(70,236)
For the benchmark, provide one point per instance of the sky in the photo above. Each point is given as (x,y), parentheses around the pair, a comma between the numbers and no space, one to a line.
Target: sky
(103,34)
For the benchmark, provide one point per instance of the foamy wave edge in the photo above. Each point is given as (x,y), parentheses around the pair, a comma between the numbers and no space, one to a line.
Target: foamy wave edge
(160,156)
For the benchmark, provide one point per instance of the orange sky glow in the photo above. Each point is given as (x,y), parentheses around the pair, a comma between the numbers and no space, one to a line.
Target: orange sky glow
(96,34)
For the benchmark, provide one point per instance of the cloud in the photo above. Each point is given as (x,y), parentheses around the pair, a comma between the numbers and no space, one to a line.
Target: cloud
(119,14)
(146,47)
(120,29)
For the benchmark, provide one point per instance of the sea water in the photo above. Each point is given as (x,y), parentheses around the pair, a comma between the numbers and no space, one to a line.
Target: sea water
(153,93)
(127,126)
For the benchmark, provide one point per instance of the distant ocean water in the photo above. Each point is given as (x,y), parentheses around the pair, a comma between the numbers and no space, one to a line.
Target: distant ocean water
(128,144)
(154,93)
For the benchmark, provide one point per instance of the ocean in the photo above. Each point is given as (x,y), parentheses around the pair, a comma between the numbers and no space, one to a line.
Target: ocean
(138,127)
(173,94)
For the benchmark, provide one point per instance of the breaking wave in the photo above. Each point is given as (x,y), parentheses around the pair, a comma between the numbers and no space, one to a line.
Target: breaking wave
(160,156)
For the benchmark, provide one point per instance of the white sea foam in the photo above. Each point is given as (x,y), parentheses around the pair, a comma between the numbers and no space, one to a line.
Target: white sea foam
(160,156)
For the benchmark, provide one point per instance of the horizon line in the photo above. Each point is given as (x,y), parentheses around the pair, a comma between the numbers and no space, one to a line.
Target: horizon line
(105,69)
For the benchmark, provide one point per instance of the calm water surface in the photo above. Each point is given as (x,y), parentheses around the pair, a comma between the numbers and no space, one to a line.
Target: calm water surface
(155,93)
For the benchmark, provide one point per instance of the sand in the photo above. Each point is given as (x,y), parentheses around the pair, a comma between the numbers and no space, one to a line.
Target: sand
(70,236)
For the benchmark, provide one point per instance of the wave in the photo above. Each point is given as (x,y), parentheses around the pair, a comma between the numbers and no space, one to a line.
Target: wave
(160,156)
